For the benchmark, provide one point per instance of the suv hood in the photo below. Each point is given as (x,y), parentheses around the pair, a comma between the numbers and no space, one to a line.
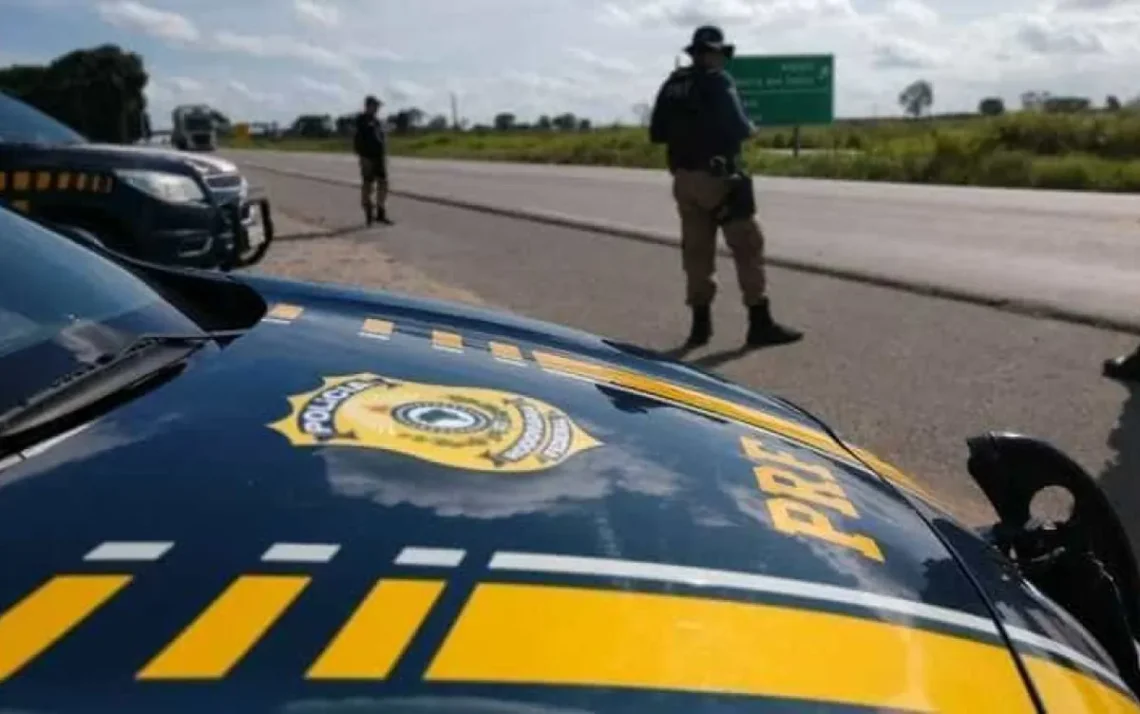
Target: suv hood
(541,508)
(121,155)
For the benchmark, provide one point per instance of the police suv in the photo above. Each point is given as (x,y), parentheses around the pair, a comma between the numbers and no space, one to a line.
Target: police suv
(151,203)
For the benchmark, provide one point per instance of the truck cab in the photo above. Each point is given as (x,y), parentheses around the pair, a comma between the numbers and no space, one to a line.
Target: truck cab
(147,202)
(195,128)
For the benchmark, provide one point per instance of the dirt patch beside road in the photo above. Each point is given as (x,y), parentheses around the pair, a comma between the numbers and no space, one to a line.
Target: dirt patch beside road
(304,251)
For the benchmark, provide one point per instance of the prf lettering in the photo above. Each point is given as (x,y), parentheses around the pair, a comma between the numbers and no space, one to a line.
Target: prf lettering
(804,497)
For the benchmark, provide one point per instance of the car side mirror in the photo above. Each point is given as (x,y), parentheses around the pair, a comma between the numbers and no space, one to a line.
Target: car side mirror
(1085,563)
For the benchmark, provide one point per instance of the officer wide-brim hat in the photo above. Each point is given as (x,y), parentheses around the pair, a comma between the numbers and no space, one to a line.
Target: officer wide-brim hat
(707,38)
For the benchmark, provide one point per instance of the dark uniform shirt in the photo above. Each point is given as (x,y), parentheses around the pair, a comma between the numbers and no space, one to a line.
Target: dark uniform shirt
(370,141)
(698,115)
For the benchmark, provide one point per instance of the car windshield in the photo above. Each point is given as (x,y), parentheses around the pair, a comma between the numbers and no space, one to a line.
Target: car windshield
(24,124)
(63,306)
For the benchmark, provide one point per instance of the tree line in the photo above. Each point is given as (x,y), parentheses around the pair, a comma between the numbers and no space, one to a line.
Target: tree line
(918,98)
(96,91)
(407,121)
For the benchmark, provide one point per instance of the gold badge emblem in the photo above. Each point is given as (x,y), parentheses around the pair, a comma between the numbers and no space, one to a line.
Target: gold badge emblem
(461,427)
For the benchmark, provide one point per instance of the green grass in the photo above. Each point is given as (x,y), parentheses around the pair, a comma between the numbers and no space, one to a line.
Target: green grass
(1095,151)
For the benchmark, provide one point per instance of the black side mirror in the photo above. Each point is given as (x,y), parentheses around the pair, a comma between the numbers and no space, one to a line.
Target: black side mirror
(1086,563)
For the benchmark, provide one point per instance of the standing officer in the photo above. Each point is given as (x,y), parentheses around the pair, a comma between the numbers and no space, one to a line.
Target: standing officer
(371,147)
(699,117)
(1125,368)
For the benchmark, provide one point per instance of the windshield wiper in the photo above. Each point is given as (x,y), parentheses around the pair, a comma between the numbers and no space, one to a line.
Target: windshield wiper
(146,357)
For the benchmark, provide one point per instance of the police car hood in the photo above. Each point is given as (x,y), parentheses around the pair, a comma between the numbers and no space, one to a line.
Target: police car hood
(124,156)
(376,503)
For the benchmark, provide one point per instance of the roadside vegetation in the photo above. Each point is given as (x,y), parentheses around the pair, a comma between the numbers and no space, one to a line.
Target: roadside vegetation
(1086,150)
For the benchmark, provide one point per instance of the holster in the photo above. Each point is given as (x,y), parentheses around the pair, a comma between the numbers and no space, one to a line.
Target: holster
(740,202)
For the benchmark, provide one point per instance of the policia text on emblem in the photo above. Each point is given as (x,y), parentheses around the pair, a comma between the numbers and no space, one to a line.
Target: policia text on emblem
(461,427)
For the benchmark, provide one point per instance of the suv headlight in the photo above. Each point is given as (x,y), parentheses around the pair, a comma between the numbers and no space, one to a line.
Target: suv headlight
(172,188)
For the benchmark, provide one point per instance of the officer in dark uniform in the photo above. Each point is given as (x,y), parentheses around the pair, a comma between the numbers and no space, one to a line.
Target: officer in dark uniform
(1125,368)
(699,117)
(371,147)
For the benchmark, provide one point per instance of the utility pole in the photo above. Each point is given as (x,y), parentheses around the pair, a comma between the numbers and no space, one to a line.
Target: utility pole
(454,112)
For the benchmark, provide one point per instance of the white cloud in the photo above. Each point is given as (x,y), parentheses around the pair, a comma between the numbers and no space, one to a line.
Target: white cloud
(901,53)
(317,13)
(243,91)
(727,13)
(1051,36)
(186,85)
(135,16)
(331,89)
(913,11)
(599,61)
(281,46)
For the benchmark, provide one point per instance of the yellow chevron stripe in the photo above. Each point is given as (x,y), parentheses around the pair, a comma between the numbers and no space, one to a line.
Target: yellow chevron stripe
(32,625)
(371,642)
(214,643)
(43,181)
(20,180)
(548,635)
(443,340)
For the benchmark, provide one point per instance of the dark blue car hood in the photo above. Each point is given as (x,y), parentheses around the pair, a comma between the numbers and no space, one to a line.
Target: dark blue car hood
(376,503)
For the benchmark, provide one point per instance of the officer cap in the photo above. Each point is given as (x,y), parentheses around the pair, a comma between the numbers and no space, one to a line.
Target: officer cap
(372,101)
(709,37)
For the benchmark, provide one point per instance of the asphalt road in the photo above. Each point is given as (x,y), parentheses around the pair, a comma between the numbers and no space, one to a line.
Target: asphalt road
(908,376)
(1076,254)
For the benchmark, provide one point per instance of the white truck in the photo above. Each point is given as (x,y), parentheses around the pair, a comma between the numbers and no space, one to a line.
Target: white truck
(195,128)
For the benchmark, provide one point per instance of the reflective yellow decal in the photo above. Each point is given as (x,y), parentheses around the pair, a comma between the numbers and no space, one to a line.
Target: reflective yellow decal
(63,181)
(506,353)
(550,635)
(373,327)
(446,341)
(43,181)
(3,180)
(371,642)
(81,182)
(461,427)
(233,624)
(283,312)
(49,613)
(20,180)
(801,494)
(724,408)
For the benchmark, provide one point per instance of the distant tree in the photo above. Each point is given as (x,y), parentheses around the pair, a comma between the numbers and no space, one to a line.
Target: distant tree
(544,123)
(1067,105)
(1112,103)
(438,123)
(415,117)
(991,106)
(1034,101)
(565,122)
(97,91)
(917,98)
(346,124)
(401,122)
(643,112)
(584,125)
(504,121)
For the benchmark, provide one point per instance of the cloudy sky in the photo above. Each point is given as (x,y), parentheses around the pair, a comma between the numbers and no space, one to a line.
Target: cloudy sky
(274,59)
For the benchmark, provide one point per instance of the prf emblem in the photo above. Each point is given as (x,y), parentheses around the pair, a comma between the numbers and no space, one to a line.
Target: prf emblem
(461,427)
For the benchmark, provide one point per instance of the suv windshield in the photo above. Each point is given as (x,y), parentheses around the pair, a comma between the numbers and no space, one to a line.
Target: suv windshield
(23,124)
(63,306)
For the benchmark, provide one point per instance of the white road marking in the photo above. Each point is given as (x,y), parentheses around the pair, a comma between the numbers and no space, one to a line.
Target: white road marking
(129,551)
(275,321)
(431,557)
(300,553)
(373,335)
(752,582)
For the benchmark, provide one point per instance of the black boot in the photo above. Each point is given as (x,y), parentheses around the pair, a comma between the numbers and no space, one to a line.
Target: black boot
(764,331)
(382,216)
(701,330)
(368,216)
(1125,368)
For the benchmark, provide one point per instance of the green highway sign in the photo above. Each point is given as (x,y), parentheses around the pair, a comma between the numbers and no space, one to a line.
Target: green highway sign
(786,90)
